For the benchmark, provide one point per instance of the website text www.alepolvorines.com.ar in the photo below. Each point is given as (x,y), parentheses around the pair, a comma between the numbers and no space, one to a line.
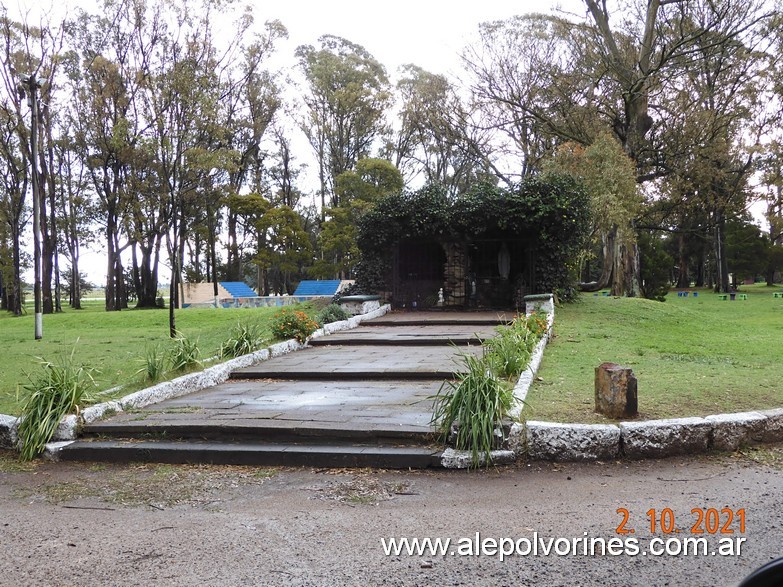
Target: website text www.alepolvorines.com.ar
(584,545)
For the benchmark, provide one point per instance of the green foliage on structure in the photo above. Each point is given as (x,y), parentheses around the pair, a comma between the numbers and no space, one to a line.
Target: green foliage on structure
(550,212)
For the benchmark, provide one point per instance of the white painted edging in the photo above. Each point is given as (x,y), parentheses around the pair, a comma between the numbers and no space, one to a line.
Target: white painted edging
(463,459)
(209,377)
(551,441)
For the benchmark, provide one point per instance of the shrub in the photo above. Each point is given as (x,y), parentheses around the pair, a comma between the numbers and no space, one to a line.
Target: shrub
(332,313)
(58,389)
(293,324)
(184,354)
(244,339)
(477,401)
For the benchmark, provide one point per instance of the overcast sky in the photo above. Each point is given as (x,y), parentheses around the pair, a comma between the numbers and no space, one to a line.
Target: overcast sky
(428,33)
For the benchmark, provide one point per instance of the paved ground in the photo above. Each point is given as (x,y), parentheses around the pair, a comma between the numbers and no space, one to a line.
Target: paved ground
(371,377)
(85,525)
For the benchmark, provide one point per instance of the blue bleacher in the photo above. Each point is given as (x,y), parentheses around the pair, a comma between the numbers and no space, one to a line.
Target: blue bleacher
(238,289)
(325,287)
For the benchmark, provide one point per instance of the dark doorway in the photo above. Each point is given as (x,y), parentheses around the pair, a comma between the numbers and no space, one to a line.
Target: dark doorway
(501,272)
(418,267)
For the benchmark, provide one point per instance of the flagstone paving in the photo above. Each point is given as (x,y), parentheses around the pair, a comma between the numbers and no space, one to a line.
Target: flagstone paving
(373,385)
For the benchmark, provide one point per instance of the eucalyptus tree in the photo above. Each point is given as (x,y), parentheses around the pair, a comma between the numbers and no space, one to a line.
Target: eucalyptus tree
(249,106)
(358,190)
(14,212)
(718,115)
(114,51)
(437,137)
(346,99)
(75,209)
(615,200)
(30,58)
(610,71)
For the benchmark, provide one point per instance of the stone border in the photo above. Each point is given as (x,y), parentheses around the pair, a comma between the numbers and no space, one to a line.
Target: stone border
(69,426)
(551,441)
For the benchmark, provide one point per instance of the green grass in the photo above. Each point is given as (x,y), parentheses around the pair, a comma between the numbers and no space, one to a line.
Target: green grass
(691,356)
(113,343)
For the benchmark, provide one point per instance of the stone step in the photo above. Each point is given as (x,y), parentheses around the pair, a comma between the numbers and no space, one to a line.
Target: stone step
(445,321)
(346,375)
(406,341)
(267,431)
(252,453)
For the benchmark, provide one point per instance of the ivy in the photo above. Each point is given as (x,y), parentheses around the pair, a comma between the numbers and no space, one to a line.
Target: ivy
(551,212)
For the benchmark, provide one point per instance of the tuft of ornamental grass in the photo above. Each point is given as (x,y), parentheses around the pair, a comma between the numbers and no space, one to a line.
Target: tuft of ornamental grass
(245,338)
(510,350)
(184,354)
(477,401)
(154,363)
(57,389)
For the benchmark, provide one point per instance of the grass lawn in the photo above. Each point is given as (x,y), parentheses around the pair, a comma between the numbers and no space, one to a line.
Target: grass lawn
(114,343)
(691,356)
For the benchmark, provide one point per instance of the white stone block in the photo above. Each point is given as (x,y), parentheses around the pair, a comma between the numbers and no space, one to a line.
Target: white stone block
(463,459)
(52,450)
(99,411)
(731,431)
(8,426)
(773,428)
(663,438)
(572,442)
(67,429)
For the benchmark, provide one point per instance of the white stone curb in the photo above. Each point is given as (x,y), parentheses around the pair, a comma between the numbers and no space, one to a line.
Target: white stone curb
(8,426)
(731,431)
(636,440)
(773,431)
(209,377)
(664,438)
(571,442)
(463,459)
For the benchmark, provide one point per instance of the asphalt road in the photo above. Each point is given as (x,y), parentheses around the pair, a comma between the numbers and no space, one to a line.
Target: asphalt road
(78,524)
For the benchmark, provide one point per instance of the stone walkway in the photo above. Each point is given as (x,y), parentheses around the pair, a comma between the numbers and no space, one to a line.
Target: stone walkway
(372,385)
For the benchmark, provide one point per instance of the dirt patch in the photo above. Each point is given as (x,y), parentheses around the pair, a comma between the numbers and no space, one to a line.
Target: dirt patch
(366,489)
(157,486)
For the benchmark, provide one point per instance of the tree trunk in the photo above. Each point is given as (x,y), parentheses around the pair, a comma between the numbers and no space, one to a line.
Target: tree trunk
(233,267)
(721,263)
(15,302)
(147,271)
(76,284)
(607,269)
(57,290)
(632,273)
(683,279)
(110,268)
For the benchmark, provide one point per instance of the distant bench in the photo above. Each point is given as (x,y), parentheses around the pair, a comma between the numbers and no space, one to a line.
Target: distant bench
(739,296)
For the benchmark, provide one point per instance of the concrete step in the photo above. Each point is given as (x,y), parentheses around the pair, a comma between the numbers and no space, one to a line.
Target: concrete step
(275,431)
(252,453)
(346,375)
(445,321)
(407,341)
